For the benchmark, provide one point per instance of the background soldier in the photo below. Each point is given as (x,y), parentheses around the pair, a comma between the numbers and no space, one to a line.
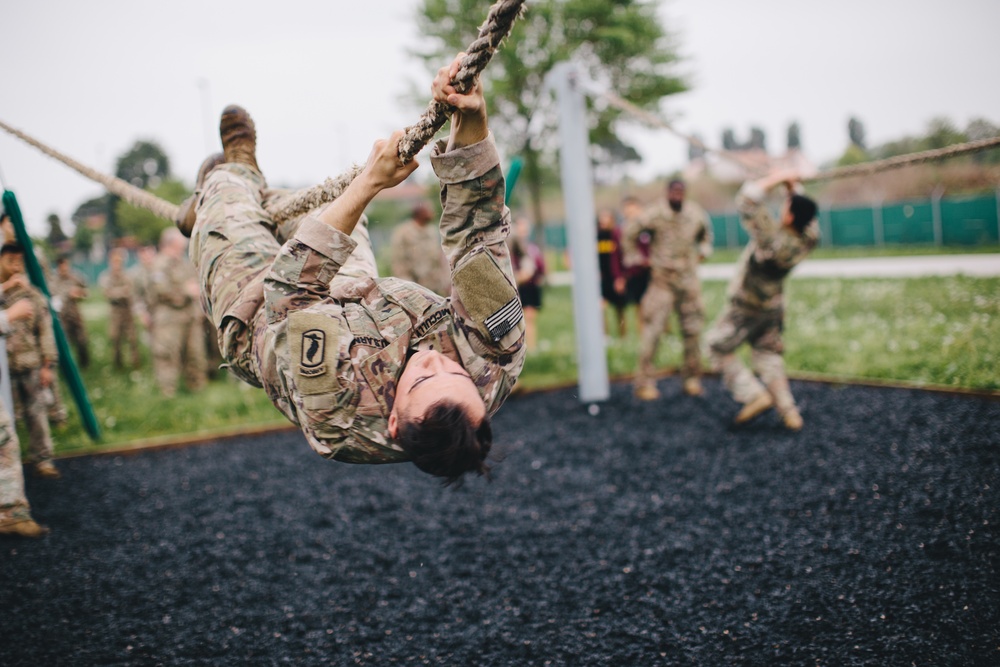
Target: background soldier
(635,259)
(119,292)
(416,252)
(755,312)
(681,239)
(31,353)
(68,290)
(15,513)
(178,336)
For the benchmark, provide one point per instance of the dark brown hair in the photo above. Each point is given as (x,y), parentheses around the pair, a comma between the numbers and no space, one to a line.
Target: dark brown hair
(803,211)
(446,443)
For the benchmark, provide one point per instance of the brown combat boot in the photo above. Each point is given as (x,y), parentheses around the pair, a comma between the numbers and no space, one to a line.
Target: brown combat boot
(239,136)
(185,220)
(26,528)
(793,420)
(647,392)
(762,403)
(47,470)
(692,387)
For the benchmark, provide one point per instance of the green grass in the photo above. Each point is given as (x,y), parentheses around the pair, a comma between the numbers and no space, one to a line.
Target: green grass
(729,255)
(938,331)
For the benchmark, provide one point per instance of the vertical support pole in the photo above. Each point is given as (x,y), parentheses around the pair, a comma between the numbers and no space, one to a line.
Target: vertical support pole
(936,215)
(581,224)
(878,223)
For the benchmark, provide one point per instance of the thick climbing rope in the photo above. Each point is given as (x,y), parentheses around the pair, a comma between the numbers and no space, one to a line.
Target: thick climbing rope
(863,169)
(116,186)
(498,24)
(869,168)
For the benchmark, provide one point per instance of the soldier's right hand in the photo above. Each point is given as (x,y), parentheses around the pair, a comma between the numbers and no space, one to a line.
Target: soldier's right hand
(20,310)
(16,280)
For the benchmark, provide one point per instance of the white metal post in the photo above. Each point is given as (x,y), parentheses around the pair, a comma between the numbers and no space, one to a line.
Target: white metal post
(581,227)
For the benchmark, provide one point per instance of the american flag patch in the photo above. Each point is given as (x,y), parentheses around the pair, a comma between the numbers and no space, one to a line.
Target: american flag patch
(505,319)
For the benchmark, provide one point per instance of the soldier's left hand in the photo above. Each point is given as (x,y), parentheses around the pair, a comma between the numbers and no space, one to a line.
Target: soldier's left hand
(45,376)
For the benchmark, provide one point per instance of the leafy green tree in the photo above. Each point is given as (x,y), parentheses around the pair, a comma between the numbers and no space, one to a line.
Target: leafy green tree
(56,234)
(980,128)
(620,43)
(144,165)
(942,132)
(98,207)
(142,224)
(856,133)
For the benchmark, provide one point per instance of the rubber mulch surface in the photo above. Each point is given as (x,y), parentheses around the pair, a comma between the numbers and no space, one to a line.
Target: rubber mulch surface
(650,534)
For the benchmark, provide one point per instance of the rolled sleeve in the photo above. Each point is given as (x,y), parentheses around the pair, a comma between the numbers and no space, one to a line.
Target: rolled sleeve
(466,163)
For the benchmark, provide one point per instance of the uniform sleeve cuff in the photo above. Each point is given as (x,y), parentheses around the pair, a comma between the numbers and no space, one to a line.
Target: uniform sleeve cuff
(331,243)
(466,163)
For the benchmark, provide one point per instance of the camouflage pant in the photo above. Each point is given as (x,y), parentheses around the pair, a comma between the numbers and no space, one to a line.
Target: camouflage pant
(178,345)
(14,506)
(76,332)
(667,294)
(233,245)
(740,324)
(29,399)
(121,332)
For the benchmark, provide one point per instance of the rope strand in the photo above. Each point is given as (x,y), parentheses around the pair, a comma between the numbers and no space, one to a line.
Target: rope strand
(116,186)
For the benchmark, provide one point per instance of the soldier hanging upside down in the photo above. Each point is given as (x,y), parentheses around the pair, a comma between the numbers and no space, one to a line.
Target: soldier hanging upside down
(374,370)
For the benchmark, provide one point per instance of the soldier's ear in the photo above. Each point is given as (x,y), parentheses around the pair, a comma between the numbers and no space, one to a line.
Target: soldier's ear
(393,424)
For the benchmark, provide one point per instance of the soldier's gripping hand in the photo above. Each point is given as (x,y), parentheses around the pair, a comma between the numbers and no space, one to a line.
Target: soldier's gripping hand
(468,123)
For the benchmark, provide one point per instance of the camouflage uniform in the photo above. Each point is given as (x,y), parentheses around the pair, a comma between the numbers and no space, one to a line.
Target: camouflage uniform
(14,506)
(417,256)
(30,346)
(177,336)
(679,241)
(119,291)
(311,323)
(69,312)
(755,312)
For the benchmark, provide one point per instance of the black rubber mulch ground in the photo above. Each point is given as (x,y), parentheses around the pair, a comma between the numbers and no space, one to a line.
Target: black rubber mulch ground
(650,534)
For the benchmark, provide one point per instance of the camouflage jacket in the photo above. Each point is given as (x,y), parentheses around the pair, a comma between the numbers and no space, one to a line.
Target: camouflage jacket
(61,289)
(30,343)
(168,283)
(679,239)
(417,256)
(118,288)
(771,254)
(330,360)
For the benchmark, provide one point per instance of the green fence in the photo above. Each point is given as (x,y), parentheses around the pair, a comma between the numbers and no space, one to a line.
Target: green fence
(935,221)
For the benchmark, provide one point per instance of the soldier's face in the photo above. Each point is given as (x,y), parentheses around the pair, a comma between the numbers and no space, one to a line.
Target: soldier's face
(428,377)
(12,263)
(675,196)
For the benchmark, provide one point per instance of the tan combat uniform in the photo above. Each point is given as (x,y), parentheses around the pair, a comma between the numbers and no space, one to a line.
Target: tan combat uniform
(30,346)
(14,506)
(120,293)
(177,337)
(311,323)
(755,311)
(679,241)
(69,312)
(417,256)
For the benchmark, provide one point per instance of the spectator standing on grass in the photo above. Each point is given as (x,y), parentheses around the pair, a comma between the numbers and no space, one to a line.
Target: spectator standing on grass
(178,337)
(15,512)
(755,311)
(119,292)
(68,290)
(609,262)
(31,358)
(635,258)
(681,237)
(529,272)
(416,252)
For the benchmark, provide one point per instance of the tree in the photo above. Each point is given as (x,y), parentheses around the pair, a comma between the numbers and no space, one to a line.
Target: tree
(942,132)
(56,234)
(757,139)
(145,226)
(980,128)
(144,165)
(729,140)
(696,150)
(856,133)
(794,138)
(95,210)
(620,44)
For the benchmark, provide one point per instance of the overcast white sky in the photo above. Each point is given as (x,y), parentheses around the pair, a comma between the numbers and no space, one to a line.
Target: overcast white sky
(324,79)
